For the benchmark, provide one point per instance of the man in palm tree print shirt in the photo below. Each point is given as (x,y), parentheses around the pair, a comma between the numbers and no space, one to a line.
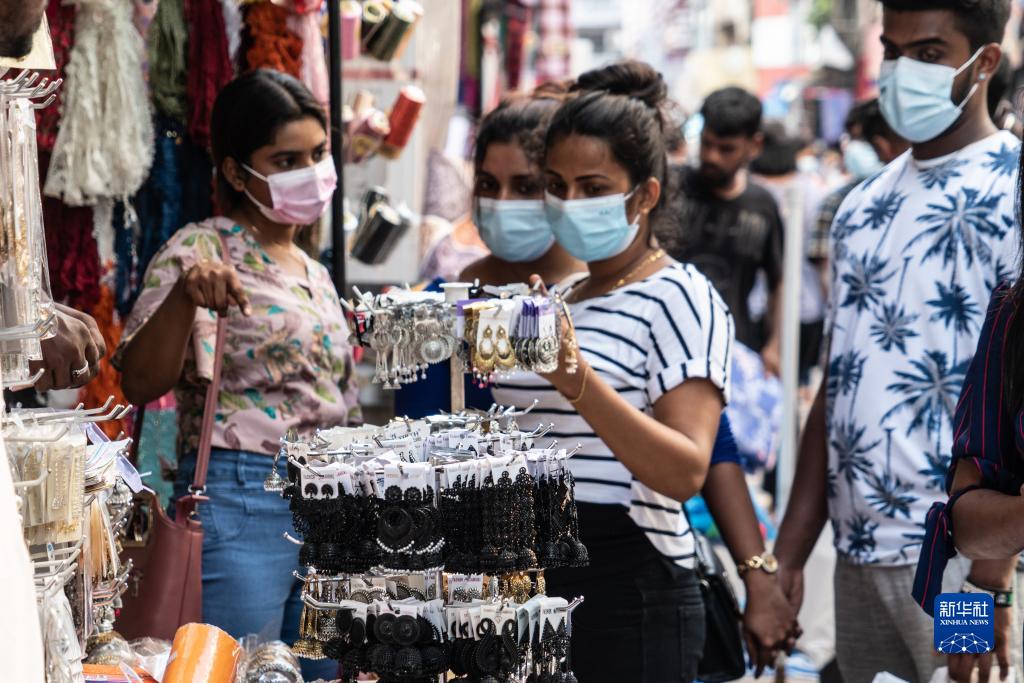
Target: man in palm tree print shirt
(916,251)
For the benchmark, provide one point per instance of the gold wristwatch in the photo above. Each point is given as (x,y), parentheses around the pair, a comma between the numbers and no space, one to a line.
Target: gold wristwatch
(766,562)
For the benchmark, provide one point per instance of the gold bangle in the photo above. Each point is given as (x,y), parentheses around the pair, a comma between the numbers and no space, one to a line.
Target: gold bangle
(583,389)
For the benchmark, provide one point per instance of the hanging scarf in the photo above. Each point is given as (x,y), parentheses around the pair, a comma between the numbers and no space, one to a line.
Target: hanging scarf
(233,27)
(108,382)
(209,64)
(126,257)
(272,44)
(518,19)
(176,193)
(70,250)
(314,61)
(61,18)
(168,49)
(105,143)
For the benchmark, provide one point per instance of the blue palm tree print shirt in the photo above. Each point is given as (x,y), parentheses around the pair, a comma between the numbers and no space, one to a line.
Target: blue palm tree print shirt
(916,252)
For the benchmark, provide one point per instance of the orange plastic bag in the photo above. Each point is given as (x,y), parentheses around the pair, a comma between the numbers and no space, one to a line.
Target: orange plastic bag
(202,653)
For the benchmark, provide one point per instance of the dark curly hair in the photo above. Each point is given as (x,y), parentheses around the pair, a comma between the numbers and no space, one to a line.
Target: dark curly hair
(982,21)
(523,120)
(625,105)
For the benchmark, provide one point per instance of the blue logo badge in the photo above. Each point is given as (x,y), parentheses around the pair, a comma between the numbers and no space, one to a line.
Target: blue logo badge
(964,623)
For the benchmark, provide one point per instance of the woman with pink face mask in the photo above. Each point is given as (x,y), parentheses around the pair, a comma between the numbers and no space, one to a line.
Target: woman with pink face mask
(287,362)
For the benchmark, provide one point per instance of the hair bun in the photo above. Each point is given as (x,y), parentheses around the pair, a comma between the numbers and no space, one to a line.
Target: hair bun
(552,90)
(630,78)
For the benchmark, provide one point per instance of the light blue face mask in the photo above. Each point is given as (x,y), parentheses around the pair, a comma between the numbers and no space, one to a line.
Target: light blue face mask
(515,230)
(861,160)
(915,97)
(592,229)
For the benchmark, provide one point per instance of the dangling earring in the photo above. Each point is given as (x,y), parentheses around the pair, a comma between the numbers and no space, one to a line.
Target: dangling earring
(485,352)
(503,349)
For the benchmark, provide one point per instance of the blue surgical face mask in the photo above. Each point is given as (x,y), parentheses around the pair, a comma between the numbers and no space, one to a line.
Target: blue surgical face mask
(592,229)
(515,230)
(915,97)
(861,160)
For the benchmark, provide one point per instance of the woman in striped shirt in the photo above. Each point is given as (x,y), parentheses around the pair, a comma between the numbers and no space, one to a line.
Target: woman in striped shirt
(652,382)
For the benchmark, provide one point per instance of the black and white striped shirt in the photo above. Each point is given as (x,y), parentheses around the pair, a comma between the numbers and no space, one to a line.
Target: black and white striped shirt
(643,339)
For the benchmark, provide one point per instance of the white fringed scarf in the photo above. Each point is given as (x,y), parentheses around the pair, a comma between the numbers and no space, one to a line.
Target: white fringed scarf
(233,27)
(104,147)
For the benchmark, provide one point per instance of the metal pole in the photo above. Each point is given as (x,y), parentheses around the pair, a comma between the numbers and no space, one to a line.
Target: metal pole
(337,100)
(792,264)
(454,292)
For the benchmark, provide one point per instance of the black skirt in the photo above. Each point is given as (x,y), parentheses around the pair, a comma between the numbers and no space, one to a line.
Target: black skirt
(643,615)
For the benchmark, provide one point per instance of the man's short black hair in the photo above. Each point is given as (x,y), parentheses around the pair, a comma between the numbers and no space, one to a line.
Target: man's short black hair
(982,21)
(865,121)
(732,111)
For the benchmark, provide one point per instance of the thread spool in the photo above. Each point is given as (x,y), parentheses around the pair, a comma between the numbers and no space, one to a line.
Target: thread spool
(417,11)
(404,115)
(371,198)
(351,29)
(377,236)
(362,103)
(348,117)
(374,13)
(368,135)
(384,42)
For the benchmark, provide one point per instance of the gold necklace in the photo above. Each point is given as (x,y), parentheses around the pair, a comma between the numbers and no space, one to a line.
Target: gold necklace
(656,256)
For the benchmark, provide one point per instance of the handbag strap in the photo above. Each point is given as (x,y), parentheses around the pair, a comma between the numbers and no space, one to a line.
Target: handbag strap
(212,392)
(210,410)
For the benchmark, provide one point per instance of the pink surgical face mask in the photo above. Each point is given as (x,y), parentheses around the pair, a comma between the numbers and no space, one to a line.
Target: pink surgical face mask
(301,196)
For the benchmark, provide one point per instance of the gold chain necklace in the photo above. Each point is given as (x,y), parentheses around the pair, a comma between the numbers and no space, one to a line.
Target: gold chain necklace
(656,256)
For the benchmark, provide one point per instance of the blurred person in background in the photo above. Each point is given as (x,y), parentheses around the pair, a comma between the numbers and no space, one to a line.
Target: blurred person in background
(868,145)
(916,253)
(726,225)
(1004,100)
(675,136)
(777,169)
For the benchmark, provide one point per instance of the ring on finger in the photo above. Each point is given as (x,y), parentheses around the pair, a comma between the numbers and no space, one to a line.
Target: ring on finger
(81,372)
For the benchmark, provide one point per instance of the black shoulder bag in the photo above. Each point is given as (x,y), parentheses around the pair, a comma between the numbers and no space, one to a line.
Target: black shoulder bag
(724,658)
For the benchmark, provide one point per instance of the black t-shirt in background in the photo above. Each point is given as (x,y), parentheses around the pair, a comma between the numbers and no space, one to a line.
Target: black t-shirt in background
(729,240)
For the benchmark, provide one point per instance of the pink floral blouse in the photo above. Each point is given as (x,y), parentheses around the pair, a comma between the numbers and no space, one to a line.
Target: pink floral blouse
(287,365)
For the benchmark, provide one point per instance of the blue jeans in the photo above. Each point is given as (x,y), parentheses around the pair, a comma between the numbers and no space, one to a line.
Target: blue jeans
(248,587)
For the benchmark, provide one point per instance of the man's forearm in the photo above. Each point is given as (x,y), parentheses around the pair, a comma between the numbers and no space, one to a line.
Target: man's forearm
(807,510)
(775,316)
(986,525)
(993,574)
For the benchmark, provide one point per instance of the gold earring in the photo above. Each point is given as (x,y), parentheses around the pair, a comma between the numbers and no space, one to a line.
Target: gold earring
(503,349)
(485,352)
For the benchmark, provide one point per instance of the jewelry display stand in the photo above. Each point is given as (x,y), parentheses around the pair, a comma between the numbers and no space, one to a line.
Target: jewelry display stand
(446,522)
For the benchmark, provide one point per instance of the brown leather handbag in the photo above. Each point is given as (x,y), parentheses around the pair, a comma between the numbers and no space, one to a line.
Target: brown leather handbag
(166,588)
